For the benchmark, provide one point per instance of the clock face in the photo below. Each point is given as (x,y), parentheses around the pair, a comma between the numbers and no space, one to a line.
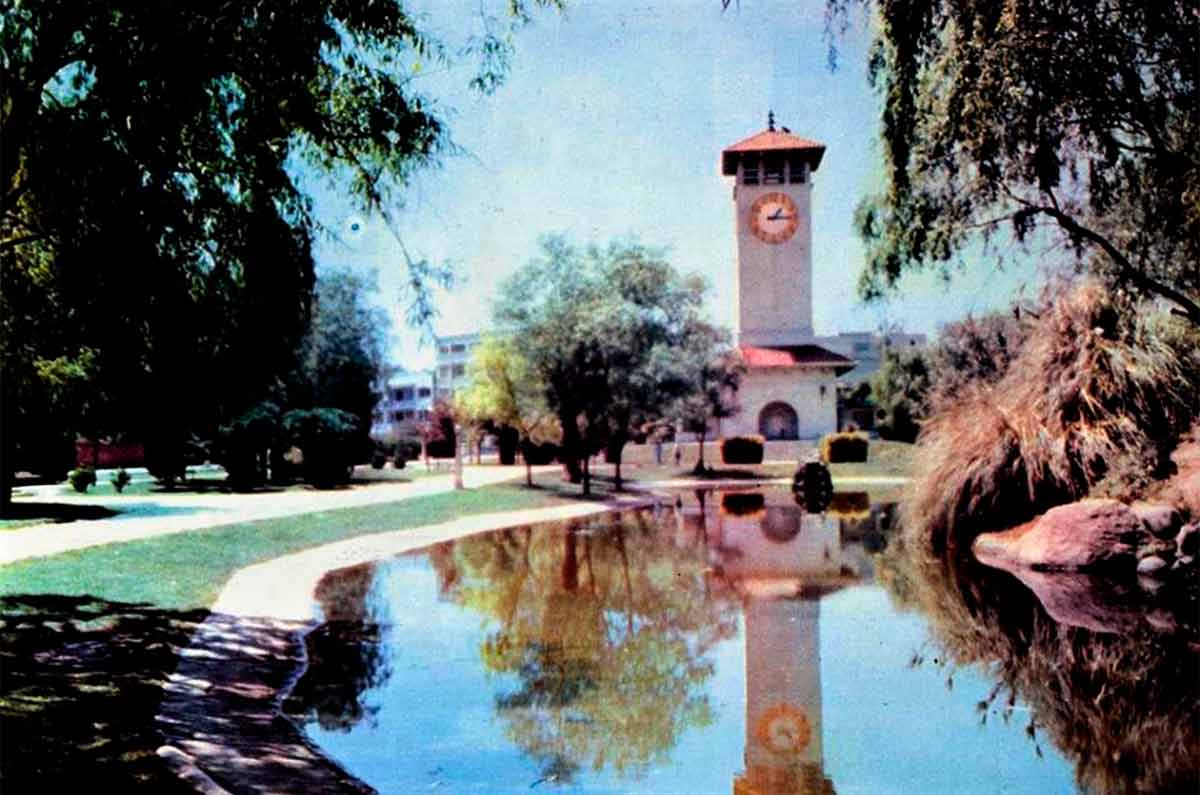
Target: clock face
(784,729)
(774,218)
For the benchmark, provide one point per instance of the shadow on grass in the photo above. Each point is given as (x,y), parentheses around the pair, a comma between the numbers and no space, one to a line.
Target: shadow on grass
(87,698)
(54,512)
(80,681)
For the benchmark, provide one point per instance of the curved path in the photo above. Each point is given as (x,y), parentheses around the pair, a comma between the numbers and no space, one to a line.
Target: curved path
(164,514)
(220,719)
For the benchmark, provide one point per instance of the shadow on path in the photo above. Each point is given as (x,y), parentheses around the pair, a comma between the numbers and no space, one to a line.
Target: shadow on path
(91,692)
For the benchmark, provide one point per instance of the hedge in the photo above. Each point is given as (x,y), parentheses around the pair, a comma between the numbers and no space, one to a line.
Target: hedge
(742,450)
(844,448)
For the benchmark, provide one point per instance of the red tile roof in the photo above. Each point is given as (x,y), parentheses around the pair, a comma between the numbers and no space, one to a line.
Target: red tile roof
(795,356)
(771,141)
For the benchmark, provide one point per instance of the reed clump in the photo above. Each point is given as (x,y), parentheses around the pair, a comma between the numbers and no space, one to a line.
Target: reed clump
(1092,403)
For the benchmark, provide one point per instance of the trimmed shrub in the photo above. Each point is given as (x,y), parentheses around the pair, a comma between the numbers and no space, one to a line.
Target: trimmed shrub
(120,479)
(742,450)
(844,448)
(82,479)
(850,504)
(539,454)
(507,440)
(742,503)
(378,459)
(242,445)
(329,439)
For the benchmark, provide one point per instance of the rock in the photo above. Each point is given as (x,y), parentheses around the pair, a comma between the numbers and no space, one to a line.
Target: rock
(1092,601)
(1162,548)
(1187,456)
(1151,565)
(1150,585)
(1186,487)
(1089,534)
(1187,542)
(1162,620)
(1161,520)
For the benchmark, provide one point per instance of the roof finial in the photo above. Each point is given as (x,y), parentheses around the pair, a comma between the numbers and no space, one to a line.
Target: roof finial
(771,120)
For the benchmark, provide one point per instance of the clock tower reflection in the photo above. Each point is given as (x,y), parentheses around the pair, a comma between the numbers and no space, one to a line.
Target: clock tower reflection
(782,562)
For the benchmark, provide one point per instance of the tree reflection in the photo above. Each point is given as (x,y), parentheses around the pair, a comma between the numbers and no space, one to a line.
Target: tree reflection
(345,659)
(1121,705)
(603,628)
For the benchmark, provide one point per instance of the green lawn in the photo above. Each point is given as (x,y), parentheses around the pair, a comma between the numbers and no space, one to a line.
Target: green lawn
(187,570)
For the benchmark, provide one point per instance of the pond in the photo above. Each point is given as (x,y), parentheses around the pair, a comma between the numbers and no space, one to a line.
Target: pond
(728,642)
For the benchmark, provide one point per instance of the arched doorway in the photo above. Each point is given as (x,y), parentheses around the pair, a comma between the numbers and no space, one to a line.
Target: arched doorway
(778,420)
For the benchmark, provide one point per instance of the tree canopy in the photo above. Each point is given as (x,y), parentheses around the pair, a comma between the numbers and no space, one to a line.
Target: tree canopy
(153,231)
(603,329)
(1073,124)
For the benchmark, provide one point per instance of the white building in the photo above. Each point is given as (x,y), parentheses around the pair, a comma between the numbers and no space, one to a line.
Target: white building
(453,356)
(406,403)
(790,387)
(867,348)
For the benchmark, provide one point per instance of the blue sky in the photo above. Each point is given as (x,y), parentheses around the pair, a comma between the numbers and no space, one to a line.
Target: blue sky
(611,125)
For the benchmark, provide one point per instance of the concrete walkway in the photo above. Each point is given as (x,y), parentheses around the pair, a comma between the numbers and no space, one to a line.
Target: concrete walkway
(283,588)
(164,514)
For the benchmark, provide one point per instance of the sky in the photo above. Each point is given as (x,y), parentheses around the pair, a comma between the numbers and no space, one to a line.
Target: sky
(610,125)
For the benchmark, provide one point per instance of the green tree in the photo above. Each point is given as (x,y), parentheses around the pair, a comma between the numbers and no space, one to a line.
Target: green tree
(151,213)
(714,372)
(902,391)
(603,328)
(506,391)
(343,353)
(1073,123)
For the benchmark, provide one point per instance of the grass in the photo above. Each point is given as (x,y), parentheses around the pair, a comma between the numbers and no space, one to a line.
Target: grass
(188,569)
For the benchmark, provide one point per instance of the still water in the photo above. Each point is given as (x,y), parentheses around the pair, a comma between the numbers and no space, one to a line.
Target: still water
(728,642)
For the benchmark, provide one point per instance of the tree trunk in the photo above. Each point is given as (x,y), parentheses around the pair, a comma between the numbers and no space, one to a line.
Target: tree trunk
(8,449)
(614,448)
(587,475)
(528,472)
(699,468)
(572,445)
(570,566)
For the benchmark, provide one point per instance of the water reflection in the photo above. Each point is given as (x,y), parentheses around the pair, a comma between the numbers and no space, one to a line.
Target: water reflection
(1110,673)
(604,628)
(600,651)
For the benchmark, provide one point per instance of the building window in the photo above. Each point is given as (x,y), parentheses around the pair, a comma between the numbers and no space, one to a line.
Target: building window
(397,416)
(797,169)
(750,171)
(773,171)
(443,349)
(459,348)
(444,371)
(459,370)
(423,392)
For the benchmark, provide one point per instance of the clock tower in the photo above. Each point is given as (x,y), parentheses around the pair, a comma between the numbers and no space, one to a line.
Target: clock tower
(772,192)
(789,391)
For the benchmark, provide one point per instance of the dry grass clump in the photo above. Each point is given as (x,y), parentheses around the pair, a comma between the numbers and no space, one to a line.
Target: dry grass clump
(1093,401)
